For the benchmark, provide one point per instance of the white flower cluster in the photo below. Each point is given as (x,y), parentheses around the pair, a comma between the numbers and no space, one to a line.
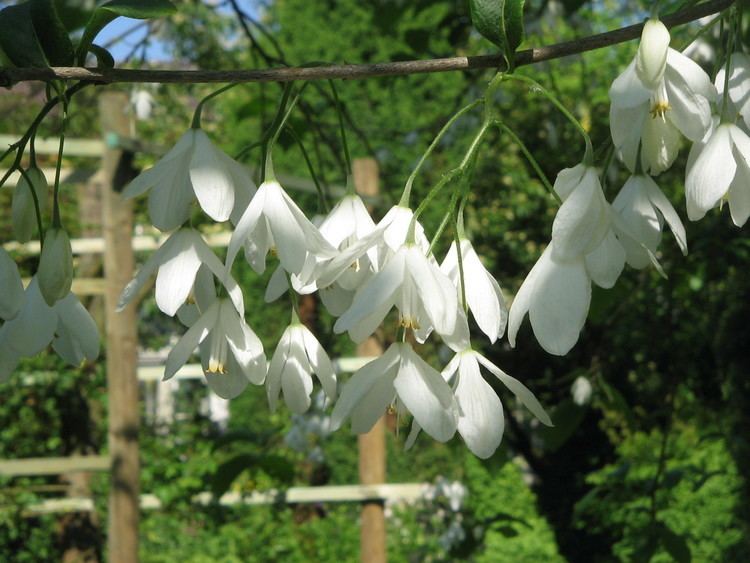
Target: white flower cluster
(661,97)
(361,271)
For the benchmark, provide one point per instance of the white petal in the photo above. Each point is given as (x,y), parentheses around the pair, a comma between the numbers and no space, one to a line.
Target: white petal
(190,341)
(483,295)
(336,299)
(577,227)
(246,225)
(436,292)
(369,391)
(55,273)
(522,301)
(521,392)
(559,305)
(685,73)
(626,125)
(320,363)
(176,277)
(78,336)
(291,245)
(244,344)
(169,202)
(32,329)
(627,90)
(230,384)
(11,295)
(176,159)
(739,194)
(605,263)
(426,395)
(8,361)
(689,112)
(209,260)
(277,286)
(276,367)
(296,383)
(711,174)
(376,296)
(660,144)
(660,201)
(480,422)
(211,180)
(651,59)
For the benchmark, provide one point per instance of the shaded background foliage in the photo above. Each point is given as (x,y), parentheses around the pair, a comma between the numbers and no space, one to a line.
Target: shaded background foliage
(651,468)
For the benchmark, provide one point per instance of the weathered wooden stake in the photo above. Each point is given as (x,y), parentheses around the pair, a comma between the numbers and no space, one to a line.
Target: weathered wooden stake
(121,341)
(372,453)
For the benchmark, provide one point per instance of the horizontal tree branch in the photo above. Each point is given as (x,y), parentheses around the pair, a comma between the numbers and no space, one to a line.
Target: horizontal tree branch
(10,76)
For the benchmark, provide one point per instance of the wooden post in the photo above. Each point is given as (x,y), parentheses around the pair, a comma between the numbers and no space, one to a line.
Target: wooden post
(121,341)
(372,454)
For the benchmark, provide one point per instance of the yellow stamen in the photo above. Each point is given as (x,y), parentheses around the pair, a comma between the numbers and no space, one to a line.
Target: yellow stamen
(659,109)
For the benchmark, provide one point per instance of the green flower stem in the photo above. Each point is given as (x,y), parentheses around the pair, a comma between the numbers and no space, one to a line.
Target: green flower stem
(196,124)
(443,223)
(311,169)
(589,154)
(457,240)
(37,209)
(530,158)
(58,166)
(725,117)
(404,201)
(279,121)
(340,114)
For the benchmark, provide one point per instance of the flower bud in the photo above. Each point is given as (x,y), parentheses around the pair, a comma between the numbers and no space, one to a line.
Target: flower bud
(651,59)
(24,214)
(55,272)
(11,296)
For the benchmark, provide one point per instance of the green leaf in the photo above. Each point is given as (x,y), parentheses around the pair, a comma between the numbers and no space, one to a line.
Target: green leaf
(675,544)
(500,21)
(276,466)
(51,33)
(18,39)
(567,417)
(104,58)
(104,14)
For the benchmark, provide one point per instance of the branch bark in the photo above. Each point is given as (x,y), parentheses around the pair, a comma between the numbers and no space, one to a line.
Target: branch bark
(10,76)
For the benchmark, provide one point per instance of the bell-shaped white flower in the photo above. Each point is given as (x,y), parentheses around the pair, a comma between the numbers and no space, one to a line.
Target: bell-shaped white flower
(719,167)
(424,296)
(298,355)
(483,295)
(193,169)
(403,380)
(739,84)
(177,262)
(659,96)
(11,295)
(557,296)
(231,354)
(23,209)
(642,209)
(480,413)
(55,273)
(67,325)
(272,221)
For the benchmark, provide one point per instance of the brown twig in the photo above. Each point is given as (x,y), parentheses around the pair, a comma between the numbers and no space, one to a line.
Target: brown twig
(355,71)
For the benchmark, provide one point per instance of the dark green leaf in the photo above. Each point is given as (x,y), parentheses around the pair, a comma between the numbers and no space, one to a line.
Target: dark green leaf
(51,33)
(18,39)
(104,58)
(675,544)
(229,471)
(567,417)
(104,14)
(500,21)
(74,13)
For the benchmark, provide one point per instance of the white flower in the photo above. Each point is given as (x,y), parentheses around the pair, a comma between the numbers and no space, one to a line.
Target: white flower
(193,168)
(557,296)
(143,104)
(483,295)
(396,228)
(480,412)
(642,209)
(581,391)
(55,272)
(67,325)
(424,296)
(659,96)
(11,295)
(231,354)
(177,262)
(272,221)
(739,84)
(719,167)
(297,356)
(23,210)
(398,378)
(557,291)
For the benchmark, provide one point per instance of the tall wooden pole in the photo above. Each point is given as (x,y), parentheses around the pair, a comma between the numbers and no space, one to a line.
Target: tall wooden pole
(372,453)
(122,379)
